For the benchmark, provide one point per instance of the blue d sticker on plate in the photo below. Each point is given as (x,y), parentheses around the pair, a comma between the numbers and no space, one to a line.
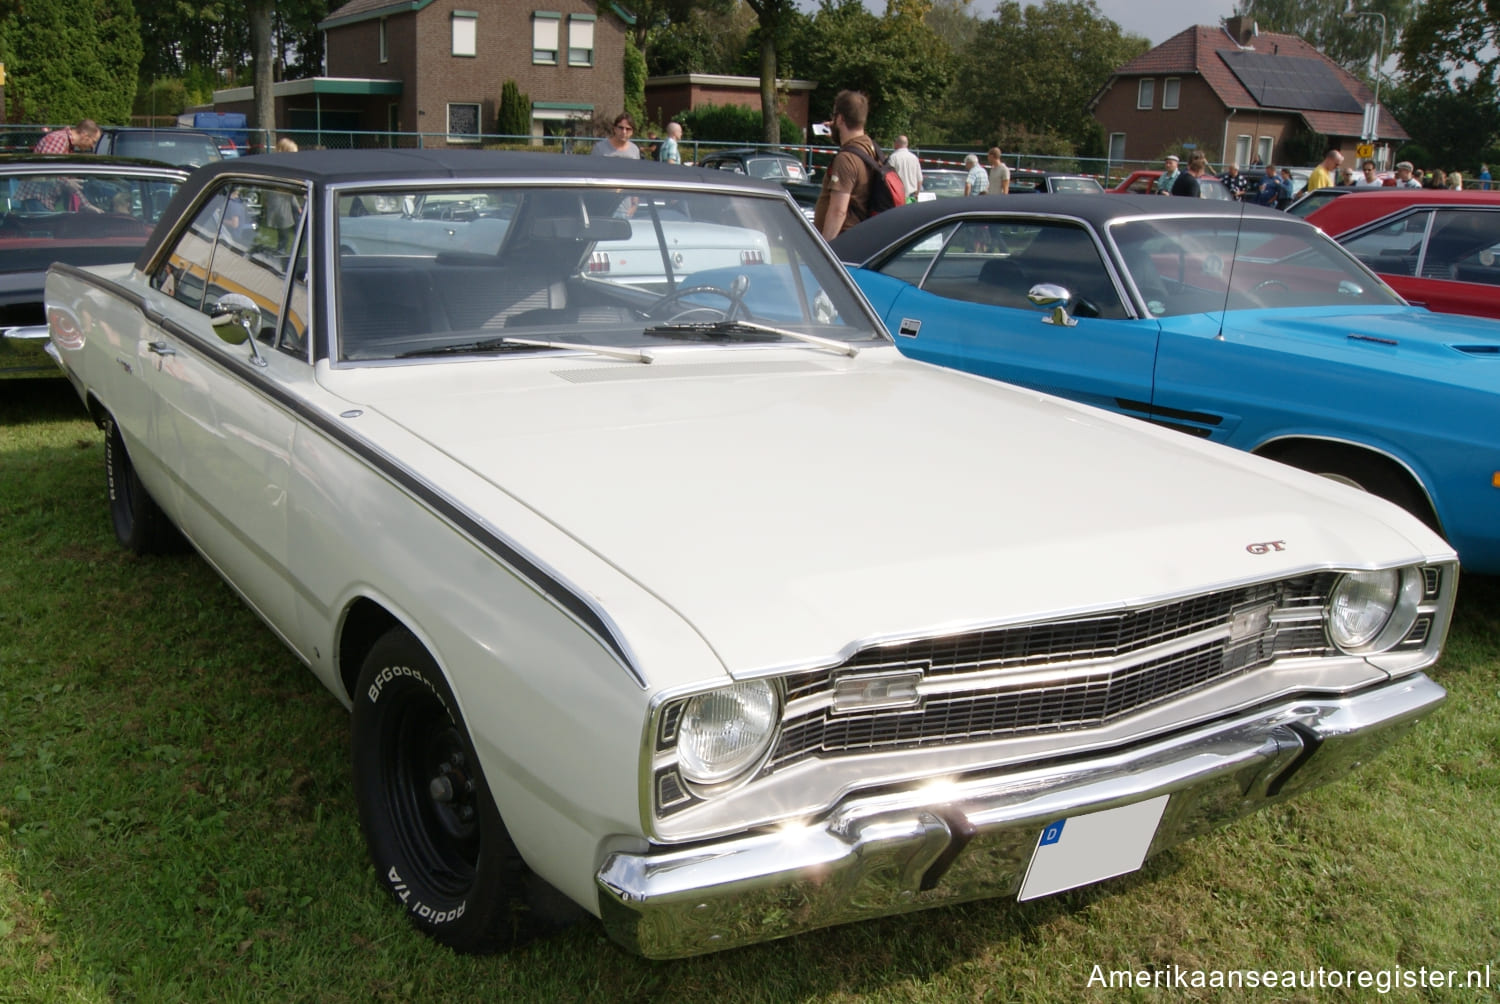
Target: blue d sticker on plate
(1053,833)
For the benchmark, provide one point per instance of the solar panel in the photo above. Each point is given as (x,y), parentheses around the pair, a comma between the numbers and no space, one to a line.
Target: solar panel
(1291,82)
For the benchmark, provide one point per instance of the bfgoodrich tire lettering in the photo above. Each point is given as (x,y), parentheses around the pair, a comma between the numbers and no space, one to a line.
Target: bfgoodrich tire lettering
(433,830)
(140,524)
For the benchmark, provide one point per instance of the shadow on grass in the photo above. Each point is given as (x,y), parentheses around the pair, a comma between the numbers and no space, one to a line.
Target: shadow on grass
(39,399)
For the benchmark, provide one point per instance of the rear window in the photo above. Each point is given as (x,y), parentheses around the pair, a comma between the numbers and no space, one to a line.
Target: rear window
(183,151)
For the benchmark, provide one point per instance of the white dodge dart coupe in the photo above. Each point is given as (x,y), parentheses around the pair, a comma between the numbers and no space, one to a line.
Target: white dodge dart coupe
(693,603)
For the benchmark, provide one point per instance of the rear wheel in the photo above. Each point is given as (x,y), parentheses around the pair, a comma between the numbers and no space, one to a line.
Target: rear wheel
(139,522)
(432,826)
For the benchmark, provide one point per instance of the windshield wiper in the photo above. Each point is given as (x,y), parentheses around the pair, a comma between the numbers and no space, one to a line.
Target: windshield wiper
(500,344)
(726,329)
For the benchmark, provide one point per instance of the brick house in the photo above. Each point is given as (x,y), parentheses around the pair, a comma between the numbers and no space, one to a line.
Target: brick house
(666,97)
(437,67)
(1239,95)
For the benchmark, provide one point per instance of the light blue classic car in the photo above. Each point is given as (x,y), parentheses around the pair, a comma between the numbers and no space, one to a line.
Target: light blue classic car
(1227,322)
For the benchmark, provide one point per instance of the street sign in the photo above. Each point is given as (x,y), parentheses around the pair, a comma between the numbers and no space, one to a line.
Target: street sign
(1365,151)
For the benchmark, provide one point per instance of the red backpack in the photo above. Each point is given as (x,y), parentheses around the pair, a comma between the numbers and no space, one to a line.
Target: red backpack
(886,189)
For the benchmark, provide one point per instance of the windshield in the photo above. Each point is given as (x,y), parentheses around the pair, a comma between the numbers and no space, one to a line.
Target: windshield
(486,269)
(77,218)
(1196,265)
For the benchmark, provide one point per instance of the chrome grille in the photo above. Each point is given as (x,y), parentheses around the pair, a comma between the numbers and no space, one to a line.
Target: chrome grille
(1083,699)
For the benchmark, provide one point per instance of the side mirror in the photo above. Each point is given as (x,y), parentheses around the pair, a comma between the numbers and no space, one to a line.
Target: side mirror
(1055,298)
(236,318)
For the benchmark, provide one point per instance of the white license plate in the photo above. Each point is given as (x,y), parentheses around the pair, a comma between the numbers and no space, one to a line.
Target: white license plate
(1089,848)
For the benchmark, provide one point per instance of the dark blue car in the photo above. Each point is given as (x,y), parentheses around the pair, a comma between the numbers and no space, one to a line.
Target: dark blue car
(1228,322)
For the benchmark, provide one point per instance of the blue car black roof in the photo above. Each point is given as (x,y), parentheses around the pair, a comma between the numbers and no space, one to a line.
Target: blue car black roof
(860,244)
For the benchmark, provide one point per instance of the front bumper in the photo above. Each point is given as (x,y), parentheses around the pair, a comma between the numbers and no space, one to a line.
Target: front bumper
(973,838)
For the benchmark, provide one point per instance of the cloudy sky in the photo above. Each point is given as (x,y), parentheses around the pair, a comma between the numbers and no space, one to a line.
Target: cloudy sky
(1159,20)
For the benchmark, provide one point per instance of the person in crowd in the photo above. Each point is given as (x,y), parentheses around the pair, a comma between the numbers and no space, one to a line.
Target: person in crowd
(907,166)
(1437,179)
(286,145)
(1236,182)
(845,198)
(1186,185)
(978,180)
(80,138)
(1367,177)
(1322,176)
(669,152)
(618,142)
(1270,192)
(1169,174)
(1483,177)
(1456,182)
(999,173)
(1404,175)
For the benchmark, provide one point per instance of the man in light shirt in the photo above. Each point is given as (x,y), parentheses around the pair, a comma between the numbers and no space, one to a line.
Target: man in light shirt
(908,167)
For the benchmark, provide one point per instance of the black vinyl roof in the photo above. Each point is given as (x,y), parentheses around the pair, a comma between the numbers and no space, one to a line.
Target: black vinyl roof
(323,167)
(861,243)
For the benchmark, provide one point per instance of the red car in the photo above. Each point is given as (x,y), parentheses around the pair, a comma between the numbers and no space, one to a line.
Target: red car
(1437,248)
(1144,182)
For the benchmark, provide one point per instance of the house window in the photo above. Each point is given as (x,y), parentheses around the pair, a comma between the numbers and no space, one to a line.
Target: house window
(581,39)
(1169,89)
(384,52)
(1242,150)
(544,34)
(463,123)
(465,33)
(1263,150)
(1116,147)
(1146,92)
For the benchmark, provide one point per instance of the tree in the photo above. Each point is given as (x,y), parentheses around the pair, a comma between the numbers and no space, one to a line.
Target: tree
(260,12)
(659,19)
(1449,37)
(1035,69)
(775,18)
(514,118)
(898,61)
(1454,124)
(1350,42)
(70,59)
(708,41)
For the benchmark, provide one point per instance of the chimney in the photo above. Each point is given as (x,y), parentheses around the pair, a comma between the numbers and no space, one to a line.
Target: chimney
(1241,29)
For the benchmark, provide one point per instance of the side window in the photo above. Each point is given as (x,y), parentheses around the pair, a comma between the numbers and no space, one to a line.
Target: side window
(997,263)
(1394,249)
(243,241)
(912,262)
(183,276)
(1463,247)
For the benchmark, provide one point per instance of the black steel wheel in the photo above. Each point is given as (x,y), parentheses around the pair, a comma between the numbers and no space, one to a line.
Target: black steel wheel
(434,832)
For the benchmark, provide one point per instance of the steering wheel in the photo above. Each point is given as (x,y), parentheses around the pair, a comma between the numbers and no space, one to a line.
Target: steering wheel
(735,297)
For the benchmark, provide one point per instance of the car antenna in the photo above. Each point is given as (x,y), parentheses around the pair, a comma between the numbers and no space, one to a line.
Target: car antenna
(1234,252)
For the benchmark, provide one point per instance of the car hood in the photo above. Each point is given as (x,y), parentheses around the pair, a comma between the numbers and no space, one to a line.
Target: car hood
(1452,348)
(791,505)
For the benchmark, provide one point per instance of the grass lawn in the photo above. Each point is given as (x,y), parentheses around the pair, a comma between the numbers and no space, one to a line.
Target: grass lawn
(176,823)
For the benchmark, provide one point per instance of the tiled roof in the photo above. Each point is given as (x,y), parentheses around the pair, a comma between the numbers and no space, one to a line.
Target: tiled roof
(356,7)
(1196,50)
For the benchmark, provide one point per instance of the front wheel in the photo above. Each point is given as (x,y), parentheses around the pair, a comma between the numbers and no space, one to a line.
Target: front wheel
(433,830)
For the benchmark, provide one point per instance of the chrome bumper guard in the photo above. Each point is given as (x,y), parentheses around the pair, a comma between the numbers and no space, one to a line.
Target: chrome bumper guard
(973,838)
(24,351)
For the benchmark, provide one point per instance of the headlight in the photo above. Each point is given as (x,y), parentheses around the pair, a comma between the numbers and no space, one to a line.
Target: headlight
(725,731)
(1371,611)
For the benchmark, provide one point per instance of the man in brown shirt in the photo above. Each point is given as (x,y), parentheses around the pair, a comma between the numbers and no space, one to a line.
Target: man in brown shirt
(845,196)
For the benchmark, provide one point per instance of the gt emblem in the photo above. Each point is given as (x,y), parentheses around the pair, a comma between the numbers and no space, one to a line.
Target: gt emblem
(1267,546)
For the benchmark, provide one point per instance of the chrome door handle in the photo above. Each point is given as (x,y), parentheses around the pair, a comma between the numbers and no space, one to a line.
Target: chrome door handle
(161,348)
